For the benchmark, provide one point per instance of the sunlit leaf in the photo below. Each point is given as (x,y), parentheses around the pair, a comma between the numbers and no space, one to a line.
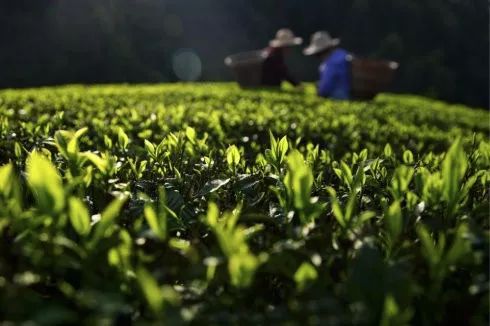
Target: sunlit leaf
(387,150)
(79,216)
(9,184)
(282,148)
(73,143)
(108,216)
(45,183)
(242,268)
(428,246)
(157,222)
(212,186)
(336,209)
(393,220)
(151,291)
(305,274)
(150,148)
(122,138)
(453,170)
(190,133)
(101,163)
(232,156)
(408,157)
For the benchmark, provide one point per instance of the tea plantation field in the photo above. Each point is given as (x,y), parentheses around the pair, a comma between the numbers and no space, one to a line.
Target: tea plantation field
(207,204)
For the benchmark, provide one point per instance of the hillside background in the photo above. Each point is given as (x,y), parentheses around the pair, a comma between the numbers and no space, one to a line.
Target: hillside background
(442,45)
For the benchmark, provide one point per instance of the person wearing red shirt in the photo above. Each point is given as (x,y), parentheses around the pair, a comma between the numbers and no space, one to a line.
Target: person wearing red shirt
(274,69)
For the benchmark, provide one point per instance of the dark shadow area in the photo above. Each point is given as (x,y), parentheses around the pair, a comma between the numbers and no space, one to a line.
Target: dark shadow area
(442,45)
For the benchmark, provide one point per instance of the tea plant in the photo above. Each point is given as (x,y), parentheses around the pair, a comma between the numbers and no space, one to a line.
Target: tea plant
(209,204)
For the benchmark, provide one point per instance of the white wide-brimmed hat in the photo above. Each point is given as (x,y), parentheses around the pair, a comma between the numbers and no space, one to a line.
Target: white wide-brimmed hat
(285,37)
(320,41)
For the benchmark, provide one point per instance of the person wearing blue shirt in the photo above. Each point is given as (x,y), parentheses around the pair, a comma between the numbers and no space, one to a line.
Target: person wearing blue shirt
(335,71)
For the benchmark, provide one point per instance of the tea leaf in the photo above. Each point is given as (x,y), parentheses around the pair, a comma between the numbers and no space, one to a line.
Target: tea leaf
(232,156)
(122,138)
(152,220)
(388,152)
(408,157)
(45,183)
(108,216)
(305,274)
(453,170)
(9,184)
(212,186)
(98,161)
(393,220)
(282,148)
(79,216)
(151,291)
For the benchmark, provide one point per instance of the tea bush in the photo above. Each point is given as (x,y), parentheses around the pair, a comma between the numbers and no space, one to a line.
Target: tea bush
(205,203)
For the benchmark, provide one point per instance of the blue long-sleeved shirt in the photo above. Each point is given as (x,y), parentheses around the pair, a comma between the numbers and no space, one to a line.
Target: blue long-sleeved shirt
(335,79)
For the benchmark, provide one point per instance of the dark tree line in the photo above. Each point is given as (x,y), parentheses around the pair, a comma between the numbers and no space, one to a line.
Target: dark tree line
(442,45)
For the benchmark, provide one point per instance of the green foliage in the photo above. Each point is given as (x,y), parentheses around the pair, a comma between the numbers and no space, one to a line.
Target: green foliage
(350,212)
(157,222)
(401,181)
(305,274)
(299,182)
(9,185)
(151,291)
(122,138)
(453,170)
(105,226)
(277,152)
(45,183)
(79,217)
(393,315)
(439,255)
(68,147)
(394,224)
(242,264)
(232,157)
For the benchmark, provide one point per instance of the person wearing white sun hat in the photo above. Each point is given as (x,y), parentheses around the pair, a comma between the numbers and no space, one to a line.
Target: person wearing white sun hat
(335,80)
(274,69)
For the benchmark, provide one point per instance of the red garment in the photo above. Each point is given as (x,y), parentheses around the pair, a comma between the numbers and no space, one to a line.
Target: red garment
(274,69)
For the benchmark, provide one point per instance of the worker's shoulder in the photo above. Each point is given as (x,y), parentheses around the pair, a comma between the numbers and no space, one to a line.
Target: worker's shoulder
(271,52)
(339,56)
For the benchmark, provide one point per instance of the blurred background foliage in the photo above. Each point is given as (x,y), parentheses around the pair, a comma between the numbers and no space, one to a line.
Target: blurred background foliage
(442,44)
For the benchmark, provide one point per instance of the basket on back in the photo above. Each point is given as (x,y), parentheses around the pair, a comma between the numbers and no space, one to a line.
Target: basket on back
(247,67)
(370,77)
